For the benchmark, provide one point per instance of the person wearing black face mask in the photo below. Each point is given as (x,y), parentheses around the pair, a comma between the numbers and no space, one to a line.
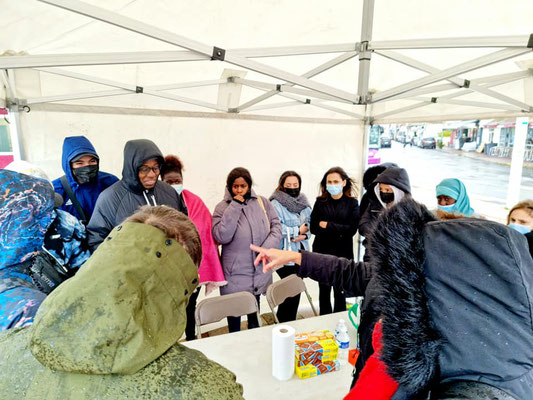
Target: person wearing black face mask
(83,181)
(384,194)
(294,213)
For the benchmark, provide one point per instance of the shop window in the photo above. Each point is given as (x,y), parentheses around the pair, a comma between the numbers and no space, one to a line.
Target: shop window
(5,140)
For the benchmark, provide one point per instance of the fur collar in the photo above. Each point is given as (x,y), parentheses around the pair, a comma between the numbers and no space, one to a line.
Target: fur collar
(410,343)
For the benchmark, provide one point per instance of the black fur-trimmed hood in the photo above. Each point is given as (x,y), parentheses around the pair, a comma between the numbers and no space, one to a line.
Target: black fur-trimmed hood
(456,301)
(410,343)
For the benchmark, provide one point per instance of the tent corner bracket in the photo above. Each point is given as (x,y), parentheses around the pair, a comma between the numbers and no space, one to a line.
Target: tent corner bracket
(218,54)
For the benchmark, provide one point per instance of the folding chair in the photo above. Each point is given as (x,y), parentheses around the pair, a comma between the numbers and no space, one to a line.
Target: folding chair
(214,309)
(289,286)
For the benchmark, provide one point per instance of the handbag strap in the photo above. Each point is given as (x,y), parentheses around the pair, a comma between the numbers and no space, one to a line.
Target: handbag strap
(12,283)
(73,199)
(260,200)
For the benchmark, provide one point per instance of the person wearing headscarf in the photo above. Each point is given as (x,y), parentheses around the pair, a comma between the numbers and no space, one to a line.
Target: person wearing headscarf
(81,165)
(452,198)
(111,331)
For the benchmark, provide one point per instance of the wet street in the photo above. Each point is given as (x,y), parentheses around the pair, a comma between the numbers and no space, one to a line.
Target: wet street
(486,182)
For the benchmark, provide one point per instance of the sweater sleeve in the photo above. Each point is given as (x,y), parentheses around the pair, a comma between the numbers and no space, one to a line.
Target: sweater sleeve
(339,272)
(351,224)
(225,220)
(274,237)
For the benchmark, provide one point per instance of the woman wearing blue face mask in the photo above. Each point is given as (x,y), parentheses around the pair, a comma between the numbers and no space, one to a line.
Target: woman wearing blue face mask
(452,198)
(334,222)
(210,270)
(520,218)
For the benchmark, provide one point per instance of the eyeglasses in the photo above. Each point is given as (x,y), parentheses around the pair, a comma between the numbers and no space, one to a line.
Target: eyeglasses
(145,169)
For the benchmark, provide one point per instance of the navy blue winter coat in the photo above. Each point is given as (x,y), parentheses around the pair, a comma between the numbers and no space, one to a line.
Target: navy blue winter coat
(88,192)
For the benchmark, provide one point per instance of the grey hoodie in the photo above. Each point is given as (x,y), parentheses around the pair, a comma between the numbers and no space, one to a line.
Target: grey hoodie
(236,226)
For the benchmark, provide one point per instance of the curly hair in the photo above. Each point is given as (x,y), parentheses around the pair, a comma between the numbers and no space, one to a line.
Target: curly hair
(174,224)
(171,164)
(526,205)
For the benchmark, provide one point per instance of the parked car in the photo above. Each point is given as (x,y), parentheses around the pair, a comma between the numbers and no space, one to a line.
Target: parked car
(428,143)
(384,141)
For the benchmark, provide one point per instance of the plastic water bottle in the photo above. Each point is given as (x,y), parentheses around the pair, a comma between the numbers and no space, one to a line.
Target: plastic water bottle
(343,339)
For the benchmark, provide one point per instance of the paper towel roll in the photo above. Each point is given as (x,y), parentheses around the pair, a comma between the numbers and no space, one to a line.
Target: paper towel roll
(282,352)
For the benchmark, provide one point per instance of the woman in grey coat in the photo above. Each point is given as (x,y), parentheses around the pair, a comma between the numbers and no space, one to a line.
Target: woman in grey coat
(241,219)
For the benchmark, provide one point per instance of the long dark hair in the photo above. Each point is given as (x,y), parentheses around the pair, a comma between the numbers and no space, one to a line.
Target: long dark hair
(236,173)
(285,175)
(349,189)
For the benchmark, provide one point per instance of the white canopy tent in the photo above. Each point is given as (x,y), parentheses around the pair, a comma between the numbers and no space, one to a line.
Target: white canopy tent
(184,75)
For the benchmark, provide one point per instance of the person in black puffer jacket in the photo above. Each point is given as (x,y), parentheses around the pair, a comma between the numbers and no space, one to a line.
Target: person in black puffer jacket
(453,302)
(139,186)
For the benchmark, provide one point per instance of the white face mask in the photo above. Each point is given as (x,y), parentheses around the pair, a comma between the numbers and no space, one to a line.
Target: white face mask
(178,188)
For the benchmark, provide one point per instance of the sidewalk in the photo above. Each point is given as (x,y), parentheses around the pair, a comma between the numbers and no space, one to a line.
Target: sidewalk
(482,156)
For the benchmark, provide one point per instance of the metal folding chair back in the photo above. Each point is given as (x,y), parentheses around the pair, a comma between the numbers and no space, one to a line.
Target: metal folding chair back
(215,309)
(281,290)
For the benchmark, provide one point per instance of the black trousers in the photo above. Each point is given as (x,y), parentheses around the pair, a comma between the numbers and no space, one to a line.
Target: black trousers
(324,299)
(190,328)
(288,309)
(234,323)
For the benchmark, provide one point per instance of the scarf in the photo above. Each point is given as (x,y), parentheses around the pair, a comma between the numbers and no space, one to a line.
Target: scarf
(293,204)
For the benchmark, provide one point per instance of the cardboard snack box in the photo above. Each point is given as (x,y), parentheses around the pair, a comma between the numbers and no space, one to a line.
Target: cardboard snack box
(315,347)
(308,371)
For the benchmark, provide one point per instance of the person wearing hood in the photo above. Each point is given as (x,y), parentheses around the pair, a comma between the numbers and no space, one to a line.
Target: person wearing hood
(294,214)
(368,184)
(111,331)
(389,188)
(520,218)
(452,198)
(33,234)
(211,274)
(139,186)
(240,219)
(334,222)
(447,309)
(83,181)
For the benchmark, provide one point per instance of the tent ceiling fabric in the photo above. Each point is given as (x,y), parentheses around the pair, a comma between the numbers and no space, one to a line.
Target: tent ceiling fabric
(407,81)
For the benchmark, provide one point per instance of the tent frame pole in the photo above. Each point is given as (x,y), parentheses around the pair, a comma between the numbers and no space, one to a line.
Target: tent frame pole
(476,63)
(365,54)
(456,42)
(518,105)
(120,92)
(309,74)
(181,41)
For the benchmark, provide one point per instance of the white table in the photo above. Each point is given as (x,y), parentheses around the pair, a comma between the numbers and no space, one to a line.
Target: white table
(248,354)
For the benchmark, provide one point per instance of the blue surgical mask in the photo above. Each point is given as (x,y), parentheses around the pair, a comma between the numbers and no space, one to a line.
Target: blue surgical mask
(334,190)
(178,188)
(523,229)
(449,208)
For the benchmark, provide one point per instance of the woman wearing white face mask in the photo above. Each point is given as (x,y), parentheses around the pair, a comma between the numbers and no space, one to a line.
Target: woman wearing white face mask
(334,222)
(520,218)
(210,270)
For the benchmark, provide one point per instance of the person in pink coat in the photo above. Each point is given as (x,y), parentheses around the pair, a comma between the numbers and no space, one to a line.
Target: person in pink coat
(210,271)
